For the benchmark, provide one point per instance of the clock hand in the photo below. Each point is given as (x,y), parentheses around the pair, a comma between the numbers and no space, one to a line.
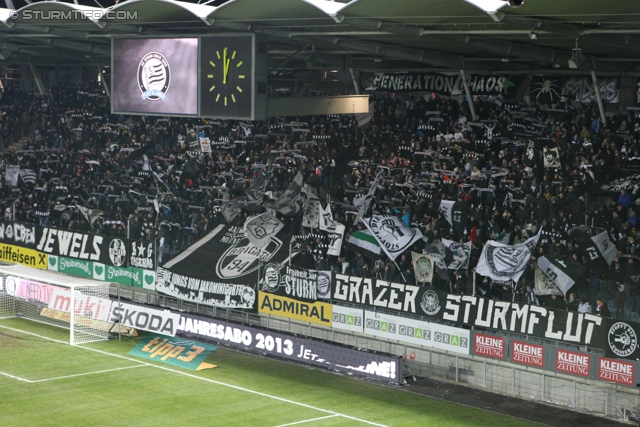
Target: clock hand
(225,65)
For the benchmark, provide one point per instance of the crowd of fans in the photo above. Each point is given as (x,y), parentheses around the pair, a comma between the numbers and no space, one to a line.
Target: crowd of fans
(147,178)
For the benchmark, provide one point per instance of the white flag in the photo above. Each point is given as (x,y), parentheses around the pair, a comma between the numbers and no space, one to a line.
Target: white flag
(311,213)
(505,263)
(459,254)
(446,207)
(605,246)
(544,285)
(335,239)
(363,202)
(259,229)
(394,237)
(326,218)
(11,174)
(205,145)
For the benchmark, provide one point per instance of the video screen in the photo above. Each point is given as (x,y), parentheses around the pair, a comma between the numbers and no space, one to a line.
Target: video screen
(155,76)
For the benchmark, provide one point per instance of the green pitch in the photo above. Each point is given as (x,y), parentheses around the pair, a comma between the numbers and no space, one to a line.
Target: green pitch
(47,383)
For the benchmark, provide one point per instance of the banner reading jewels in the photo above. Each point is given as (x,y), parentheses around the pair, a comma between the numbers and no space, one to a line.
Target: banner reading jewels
(83,246)
(567,326)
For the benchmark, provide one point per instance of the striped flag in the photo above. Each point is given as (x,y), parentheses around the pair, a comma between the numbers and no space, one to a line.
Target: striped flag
(364,242)
(28,176)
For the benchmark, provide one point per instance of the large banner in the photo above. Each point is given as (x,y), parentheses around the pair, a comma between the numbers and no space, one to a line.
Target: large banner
(226,255)
(84,246)
(549,89)
(15,233)
(445,84)
(348,360)
(222,269)
(217,294)
(567,326)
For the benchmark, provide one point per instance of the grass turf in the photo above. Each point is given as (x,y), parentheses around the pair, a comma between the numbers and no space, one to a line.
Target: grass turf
(134,394)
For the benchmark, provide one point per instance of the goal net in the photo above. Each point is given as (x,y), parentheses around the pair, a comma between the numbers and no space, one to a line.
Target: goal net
(80,305)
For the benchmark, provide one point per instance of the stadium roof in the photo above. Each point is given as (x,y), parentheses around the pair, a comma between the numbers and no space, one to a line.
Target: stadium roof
(361,34)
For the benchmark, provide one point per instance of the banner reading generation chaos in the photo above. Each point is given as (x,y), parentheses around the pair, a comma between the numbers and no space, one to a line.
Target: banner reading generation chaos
(445,84)
(567,326)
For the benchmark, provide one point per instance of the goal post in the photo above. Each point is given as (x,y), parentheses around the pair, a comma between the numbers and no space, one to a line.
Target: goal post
(80,305)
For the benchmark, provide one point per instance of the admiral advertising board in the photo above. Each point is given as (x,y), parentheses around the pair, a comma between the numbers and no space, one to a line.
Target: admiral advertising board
(348,360)
(155,75)
(567,326)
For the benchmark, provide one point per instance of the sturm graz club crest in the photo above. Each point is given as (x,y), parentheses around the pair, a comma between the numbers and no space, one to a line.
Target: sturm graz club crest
(622,339)
(117,252)
(244,258)
(154,76)
(271,280)
(430,303)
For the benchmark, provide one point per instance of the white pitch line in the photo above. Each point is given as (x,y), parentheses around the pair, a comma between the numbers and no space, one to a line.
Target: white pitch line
(70,376)
(87,373)
(258,393)
(308,421)
(14,377)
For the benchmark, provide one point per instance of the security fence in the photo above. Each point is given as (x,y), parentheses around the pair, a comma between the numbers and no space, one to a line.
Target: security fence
(584,395)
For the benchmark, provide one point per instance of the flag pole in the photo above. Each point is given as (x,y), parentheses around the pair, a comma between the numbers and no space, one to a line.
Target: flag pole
(398,267)
(513,291)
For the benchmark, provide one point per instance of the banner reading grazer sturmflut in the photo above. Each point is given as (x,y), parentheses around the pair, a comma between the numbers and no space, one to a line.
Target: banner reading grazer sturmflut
(515,318)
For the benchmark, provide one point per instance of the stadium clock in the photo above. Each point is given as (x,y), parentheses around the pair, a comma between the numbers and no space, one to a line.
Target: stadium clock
(227,77)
